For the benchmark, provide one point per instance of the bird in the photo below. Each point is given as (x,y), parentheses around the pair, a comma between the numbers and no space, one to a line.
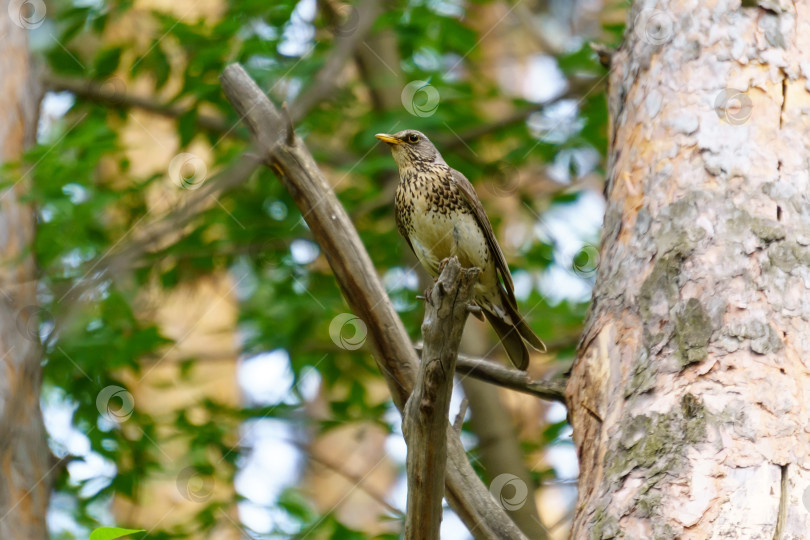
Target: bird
(439,214)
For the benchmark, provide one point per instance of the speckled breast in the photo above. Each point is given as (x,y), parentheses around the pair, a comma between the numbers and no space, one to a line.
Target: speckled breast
(437,221)
(425,190)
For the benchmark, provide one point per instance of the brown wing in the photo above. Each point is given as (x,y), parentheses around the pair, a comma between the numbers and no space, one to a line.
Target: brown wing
(398,211)
(403,231)
(468,192)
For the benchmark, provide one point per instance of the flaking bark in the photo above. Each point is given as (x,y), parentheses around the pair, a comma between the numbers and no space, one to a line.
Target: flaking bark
(689,398)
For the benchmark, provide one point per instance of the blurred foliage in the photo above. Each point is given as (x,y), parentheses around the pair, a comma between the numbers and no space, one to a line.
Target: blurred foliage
(88,203)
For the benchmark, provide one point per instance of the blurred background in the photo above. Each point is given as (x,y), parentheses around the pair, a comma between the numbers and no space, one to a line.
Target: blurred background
(203,376)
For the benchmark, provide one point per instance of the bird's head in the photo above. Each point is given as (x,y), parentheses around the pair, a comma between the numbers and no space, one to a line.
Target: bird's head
(411,147)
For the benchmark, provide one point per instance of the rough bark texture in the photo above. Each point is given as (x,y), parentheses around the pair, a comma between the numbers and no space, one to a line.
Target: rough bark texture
(425,416)
(689,399)
(24,456)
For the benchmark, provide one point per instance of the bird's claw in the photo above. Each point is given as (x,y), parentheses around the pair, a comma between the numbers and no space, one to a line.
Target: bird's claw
(472,308)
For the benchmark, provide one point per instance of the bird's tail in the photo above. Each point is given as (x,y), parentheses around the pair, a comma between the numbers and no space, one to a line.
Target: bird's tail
(512,330)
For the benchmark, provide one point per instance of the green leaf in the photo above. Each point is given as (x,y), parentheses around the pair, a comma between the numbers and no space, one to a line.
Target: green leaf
(582,60)
(187,126)
(111,533)
(155,62)
(295,505)
(64,61)
(107,62)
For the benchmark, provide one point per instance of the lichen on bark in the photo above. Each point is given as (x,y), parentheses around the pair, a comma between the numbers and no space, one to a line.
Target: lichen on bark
(693,328)
(690,394)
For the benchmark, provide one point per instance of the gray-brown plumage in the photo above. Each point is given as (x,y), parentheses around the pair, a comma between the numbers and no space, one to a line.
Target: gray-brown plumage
(440,216)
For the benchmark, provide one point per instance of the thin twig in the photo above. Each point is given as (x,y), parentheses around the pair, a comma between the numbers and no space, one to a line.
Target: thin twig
(462,412)
(150,236)
(488,371)
(604,53)
(113,93)
(162,231)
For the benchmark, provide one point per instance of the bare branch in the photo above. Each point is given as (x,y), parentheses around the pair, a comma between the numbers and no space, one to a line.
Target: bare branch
(362,289)
(155,234)
(462,412)
(488,371)
(110,94)
(425,422)
(164,230)
(484,370)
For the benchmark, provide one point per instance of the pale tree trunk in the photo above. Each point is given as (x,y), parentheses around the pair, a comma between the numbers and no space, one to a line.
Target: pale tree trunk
(689,399)
(25,465)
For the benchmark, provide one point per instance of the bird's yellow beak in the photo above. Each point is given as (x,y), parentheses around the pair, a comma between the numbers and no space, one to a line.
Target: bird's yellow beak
(386,138)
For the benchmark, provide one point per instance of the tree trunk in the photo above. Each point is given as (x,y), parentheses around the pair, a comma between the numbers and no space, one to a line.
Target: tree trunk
(25,465)
(689,399)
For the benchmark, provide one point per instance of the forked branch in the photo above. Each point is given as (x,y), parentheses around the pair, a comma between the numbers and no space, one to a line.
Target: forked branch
(425,418)
(357,278)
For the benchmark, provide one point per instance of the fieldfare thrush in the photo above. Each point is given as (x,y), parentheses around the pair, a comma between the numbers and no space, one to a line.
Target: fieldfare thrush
(440,216)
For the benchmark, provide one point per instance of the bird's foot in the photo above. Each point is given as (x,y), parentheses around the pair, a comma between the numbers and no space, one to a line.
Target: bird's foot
(442,264)
(476,311)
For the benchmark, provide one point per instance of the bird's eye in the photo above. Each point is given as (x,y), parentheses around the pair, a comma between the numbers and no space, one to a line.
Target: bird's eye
(413,138)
